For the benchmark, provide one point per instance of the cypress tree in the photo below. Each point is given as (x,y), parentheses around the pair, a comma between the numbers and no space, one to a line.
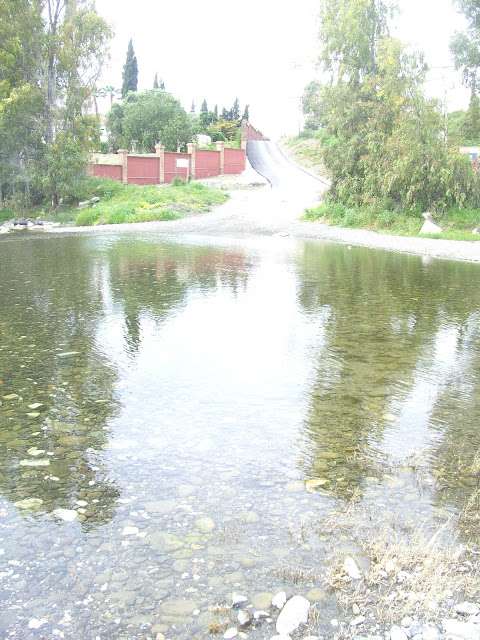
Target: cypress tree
(130,71)
(235,112)
(155,82)
(245,113)
(204,107)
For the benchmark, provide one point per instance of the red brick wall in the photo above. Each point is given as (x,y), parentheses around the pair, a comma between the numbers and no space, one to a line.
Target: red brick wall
(234,161)
(170,166)
(143,170)
(207,163)
(114,172)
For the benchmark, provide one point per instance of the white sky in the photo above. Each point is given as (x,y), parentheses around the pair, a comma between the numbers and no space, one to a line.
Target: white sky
(261,51)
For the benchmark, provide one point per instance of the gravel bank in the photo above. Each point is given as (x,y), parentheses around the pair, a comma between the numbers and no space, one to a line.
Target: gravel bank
(262,210)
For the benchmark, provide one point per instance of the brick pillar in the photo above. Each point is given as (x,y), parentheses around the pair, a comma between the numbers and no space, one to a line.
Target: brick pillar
(160,151)
(191,148)
(123,153)
(221,147)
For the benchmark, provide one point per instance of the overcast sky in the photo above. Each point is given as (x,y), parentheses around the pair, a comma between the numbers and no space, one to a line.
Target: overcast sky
(261,51)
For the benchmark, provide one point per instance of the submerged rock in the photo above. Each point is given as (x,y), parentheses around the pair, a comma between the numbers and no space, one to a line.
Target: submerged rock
(66,514)
(205,525)
(164,542)
(293,614)
(29,503)
(42,462)
(316,483)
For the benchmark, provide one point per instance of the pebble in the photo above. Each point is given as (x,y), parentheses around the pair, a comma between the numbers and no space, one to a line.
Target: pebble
(258,615)
(464,630)
(244,617)
(467,608)
(238,599)
(351,568)
(293,614)
(262,600)
(230,633)
(280,599)
(397,633)
(357,621)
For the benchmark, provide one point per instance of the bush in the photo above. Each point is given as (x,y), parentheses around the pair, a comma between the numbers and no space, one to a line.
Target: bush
(87,187)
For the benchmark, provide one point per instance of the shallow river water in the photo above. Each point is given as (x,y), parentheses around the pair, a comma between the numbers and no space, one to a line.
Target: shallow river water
(178,415)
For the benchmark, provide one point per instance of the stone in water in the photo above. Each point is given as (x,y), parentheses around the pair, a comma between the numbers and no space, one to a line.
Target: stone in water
(65,514)
(293,614)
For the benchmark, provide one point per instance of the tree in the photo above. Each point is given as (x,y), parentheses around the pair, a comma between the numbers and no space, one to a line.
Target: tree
(235,112)
(51,55)
(215,110)
(192,108)
(130,71)
(112,92)
(162,84)
(385,147)
(313,106)
(155,82)
(227,128)
(471,123)
(146,118)
(245,113)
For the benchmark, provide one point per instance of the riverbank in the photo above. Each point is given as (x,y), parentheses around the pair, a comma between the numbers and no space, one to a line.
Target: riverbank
(266,211)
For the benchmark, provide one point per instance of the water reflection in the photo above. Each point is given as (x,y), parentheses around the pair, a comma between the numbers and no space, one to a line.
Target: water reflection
(398,368)
(147,384)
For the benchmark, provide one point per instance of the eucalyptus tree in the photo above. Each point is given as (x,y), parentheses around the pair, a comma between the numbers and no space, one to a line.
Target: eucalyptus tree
(465,47)
(51,56)
(385,147)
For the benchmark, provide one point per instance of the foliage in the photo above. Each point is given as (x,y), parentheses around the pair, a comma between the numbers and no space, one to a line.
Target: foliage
(143,119)
(130,71)
(226,127)
(465,47)
(456,223)
(471,123)
(204,107)
(51,56)
(133,203)
(313,107)
(384,135)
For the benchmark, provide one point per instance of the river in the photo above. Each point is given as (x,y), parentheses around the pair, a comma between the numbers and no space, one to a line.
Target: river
(178,415)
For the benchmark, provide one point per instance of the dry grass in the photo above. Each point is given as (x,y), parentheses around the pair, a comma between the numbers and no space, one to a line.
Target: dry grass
(475,468)
(469,517)
(217,627)
(231,532)
(410,570)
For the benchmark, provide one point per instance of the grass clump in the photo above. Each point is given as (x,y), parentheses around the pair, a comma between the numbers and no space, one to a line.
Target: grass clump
(132,203)
(456,224)
(406,569)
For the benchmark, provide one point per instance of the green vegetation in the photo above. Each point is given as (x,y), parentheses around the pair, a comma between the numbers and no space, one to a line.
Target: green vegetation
(142,119)
(132,203)
(384,144)
(51,56)
(130,71)
(456,223)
